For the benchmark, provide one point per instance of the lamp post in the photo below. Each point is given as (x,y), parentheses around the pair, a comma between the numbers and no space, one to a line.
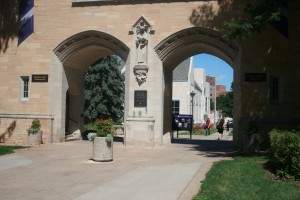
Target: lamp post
(192,93)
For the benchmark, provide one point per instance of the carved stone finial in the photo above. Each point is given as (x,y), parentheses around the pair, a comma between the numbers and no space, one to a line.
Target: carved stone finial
(141,31)
(141,42)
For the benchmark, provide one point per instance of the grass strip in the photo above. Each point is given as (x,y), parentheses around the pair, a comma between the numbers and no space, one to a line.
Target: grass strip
(245,178)
(9,149)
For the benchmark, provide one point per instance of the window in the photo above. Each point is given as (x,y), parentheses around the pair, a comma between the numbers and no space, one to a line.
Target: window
(175,106)
(274,89)
(24,87)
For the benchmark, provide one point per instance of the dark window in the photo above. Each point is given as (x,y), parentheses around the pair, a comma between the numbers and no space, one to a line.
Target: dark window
(175,106)
(25,87)
(274,89)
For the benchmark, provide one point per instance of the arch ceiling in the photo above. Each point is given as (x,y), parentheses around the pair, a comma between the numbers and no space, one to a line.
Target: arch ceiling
(188,42)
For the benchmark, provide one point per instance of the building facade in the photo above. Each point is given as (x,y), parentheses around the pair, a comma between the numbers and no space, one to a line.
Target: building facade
(153,37)
(186,79)
(221,89)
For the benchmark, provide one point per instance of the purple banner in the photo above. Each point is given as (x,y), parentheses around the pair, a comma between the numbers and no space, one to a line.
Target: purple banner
(26,19)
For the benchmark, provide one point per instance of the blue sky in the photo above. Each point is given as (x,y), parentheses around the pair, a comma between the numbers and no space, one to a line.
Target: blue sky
(214,66)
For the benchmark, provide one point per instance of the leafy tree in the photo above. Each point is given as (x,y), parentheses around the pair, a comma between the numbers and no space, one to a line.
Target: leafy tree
(104,90)
(225,103)
(257,16)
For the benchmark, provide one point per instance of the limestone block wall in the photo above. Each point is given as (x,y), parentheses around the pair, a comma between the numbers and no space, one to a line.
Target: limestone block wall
(14,130)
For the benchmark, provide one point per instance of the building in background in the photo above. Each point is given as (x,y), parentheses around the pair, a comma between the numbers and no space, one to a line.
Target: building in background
(220,89)
(212,87)
(204,106)
(185,80)
(212,82)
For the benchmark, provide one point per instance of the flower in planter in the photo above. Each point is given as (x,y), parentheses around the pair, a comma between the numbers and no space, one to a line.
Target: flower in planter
(100,128)
(35,127)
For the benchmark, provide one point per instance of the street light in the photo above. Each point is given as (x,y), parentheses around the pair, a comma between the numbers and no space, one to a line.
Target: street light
(192,93)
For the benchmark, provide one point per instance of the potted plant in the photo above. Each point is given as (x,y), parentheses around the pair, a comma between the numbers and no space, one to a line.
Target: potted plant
(100,132)
(35,133)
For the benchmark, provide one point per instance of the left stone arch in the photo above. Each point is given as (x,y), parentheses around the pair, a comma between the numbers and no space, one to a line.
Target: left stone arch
(70,60)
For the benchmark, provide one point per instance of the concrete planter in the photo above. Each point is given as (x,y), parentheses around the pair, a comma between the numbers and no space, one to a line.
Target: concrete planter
(35,139)
(102,150)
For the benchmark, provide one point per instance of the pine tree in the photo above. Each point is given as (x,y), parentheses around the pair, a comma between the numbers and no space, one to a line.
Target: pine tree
(104,90)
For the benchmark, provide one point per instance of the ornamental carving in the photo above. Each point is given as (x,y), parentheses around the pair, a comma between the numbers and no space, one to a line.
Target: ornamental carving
(141,43)
(140,72)
(141,30)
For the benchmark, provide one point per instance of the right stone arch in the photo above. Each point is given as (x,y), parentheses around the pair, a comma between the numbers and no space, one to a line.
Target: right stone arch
(192,41)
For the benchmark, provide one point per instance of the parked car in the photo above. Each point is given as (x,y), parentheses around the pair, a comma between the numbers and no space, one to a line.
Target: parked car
(230,123)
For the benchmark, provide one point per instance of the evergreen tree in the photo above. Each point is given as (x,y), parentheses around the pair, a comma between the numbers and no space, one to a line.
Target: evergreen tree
(104,90)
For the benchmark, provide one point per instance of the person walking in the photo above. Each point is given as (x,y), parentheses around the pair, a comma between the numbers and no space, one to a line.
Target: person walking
(227,125)
(220,128)
(207,127)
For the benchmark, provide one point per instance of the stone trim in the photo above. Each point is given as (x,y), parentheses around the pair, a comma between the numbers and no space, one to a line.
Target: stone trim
(192,35)
(144,119)
(86,38)
(26,116)
(81,3)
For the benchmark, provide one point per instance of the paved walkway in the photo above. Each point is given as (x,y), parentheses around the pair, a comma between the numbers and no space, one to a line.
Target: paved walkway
(65,171)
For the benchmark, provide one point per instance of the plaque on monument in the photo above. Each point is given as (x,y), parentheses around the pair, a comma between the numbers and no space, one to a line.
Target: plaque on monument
(140,98)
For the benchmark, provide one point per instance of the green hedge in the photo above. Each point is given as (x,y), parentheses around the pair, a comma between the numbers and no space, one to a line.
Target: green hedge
(285,153)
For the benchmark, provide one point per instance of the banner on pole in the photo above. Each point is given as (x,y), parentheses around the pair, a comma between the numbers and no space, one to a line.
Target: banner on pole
(25,20)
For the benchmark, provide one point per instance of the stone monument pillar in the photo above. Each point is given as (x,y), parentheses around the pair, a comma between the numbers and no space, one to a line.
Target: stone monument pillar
(144,89)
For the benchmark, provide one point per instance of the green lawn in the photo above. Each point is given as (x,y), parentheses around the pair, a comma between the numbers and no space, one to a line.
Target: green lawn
(245,178)
(9,149)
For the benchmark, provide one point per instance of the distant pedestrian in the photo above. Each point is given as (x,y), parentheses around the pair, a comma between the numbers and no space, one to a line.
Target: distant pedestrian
(207,127)
(227,125)
(220,128)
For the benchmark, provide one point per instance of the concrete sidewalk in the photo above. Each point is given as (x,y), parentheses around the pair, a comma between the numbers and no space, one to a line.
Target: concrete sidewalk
(65,171)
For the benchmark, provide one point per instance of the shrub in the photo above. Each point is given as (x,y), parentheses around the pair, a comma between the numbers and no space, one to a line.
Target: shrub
(198,129)
(285,153)
(100,128)
(35,127)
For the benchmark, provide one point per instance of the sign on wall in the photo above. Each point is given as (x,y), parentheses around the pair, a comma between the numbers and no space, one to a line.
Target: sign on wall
(39,78)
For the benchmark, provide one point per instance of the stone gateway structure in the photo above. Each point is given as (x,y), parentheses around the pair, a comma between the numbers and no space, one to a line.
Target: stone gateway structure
(44,77)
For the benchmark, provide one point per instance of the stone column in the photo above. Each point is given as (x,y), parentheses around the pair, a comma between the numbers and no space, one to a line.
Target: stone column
(59,87)
(144,90)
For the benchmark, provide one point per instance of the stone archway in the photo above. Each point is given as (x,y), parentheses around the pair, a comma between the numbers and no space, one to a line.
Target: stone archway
(69,62)
(189,42)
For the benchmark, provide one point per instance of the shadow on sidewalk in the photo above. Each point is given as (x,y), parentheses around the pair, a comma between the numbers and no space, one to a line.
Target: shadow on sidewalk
(208,148)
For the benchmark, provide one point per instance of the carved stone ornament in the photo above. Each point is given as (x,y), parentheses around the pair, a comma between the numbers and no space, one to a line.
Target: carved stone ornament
(141,30)
(140,72)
